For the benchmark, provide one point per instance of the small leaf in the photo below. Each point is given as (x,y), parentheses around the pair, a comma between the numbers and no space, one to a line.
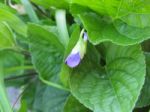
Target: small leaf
(114,87)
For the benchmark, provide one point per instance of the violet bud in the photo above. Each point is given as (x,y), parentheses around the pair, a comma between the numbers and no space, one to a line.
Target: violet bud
(73,60)
(78,52)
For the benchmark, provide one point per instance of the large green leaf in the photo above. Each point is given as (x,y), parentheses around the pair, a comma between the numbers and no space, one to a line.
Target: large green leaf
(15,23)
(144,98)
(47,54)
(51,3)
(6,36)
(116,86)
(73,105)
(114,8)
(135,13)
(49,99)
(100,30)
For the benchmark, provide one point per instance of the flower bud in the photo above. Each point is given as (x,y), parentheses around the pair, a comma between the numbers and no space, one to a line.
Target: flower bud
(78,52)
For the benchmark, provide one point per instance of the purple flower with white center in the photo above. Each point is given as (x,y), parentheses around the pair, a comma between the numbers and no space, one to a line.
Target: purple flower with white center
(78,52)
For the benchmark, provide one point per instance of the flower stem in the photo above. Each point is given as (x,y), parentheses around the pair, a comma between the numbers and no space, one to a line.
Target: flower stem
(62,27)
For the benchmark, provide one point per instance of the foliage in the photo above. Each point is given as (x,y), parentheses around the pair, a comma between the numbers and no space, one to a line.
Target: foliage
(75,55)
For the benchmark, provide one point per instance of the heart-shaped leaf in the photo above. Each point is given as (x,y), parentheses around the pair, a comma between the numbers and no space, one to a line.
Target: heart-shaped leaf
(116,86)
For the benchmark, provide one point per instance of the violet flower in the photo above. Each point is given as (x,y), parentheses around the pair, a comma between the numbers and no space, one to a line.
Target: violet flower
(78,52)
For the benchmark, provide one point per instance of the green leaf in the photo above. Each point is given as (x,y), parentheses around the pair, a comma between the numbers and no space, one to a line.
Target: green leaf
(116,86)
(49,99)
(6,36)
(51,3)
(139,34)
(81,9)
(140,16)
(6,7)
(137,20)
(15,23)
(144,98)
(135,13)
(114,8)
(142,7)
(73,105)
(23,107)
(100,30)
(47,54)
(11,60)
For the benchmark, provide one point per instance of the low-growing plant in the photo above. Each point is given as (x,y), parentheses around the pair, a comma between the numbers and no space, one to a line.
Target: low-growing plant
(74,55)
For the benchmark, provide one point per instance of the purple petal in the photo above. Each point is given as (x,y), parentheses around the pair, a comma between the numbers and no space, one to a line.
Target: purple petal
(73,60)
(85,36)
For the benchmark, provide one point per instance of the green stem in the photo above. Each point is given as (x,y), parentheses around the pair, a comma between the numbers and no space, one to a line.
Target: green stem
(12,69)
(30,75)
(4,102)
(53,84)
(31,13)
(62,26)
